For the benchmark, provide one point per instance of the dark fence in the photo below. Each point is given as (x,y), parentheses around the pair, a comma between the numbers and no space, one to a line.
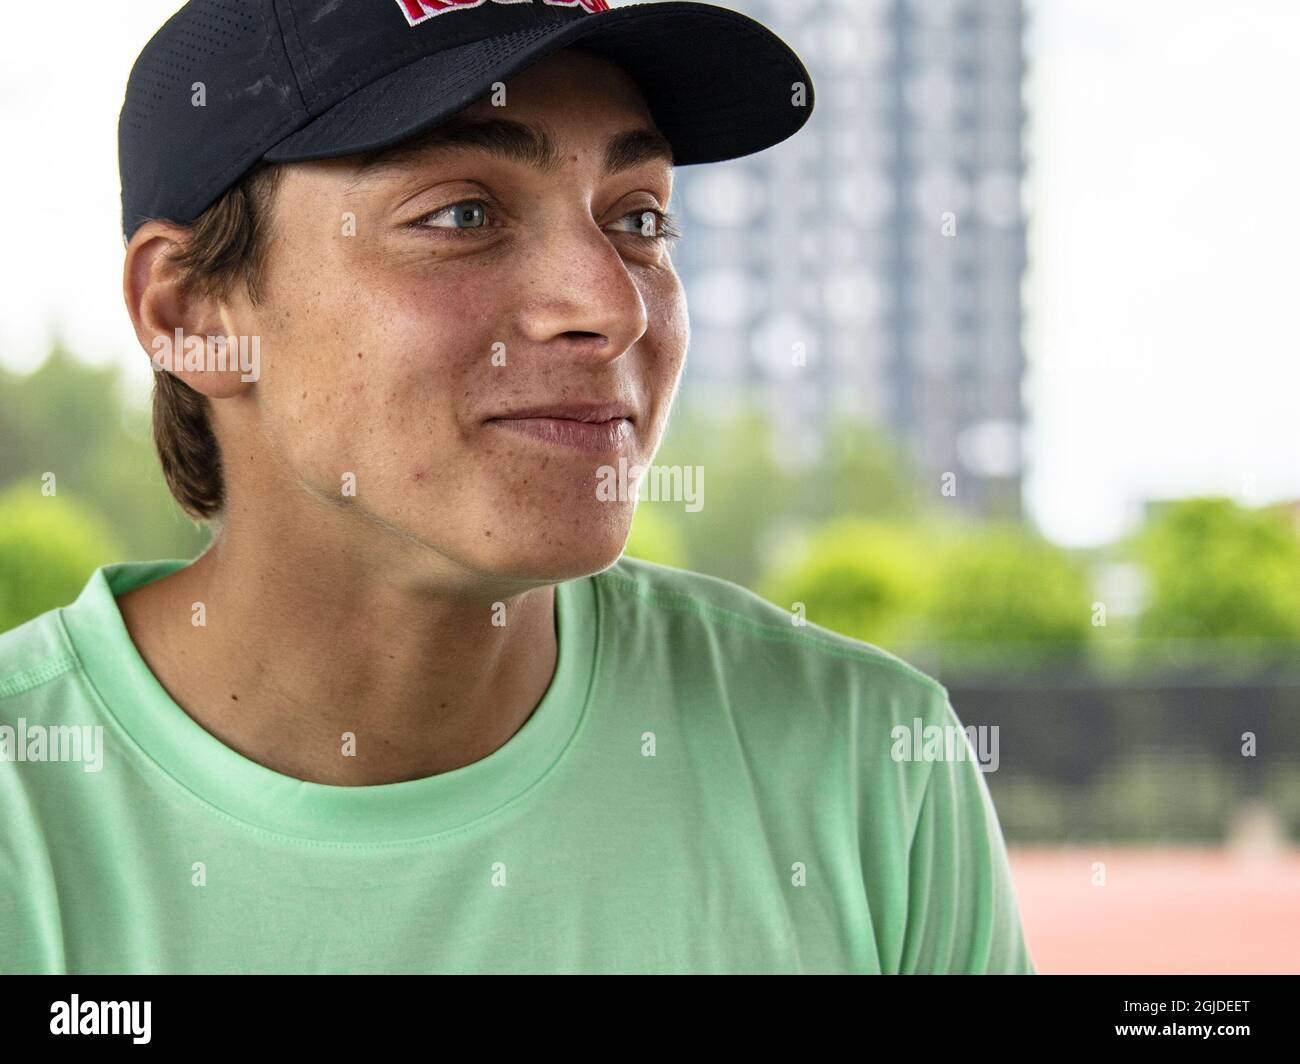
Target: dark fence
(1189,742)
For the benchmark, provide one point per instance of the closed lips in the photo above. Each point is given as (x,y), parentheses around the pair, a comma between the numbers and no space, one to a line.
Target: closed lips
(600,429)
(585,412)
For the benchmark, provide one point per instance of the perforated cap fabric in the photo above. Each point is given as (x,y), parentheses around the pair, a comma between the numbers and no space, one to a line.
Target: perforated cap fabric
(226,84)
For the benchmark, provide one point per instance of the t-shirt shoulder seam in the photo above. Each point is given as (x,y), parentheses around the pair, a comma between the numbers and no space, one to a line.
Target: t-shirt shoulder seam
(50,669)
(57,663)
(683,602)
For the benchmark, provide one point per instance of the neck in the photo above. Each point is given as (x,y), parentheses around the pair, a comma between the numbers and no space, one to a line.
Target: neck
(300,649)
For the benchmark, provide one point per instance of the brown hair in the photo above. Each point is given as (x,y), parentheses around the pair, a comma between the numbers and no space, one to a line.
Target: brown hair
(226,247)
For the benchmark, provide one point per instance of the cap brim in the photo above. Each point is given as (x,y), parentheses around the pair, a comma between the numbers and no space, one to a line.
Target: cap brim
(718,84)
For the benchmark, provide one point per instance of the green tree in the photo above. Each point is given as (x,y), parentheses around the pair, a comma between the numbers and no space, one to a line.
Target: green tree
(1001,591)
(745,489)
(655,537)
(1220,570)
(760,489)
(75,421)
(861,473)
(49,546)
(862,578)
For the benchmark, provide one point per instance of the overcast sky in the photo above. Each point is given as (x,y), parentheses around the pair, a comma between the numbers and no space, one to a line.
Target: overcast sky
(1165,223)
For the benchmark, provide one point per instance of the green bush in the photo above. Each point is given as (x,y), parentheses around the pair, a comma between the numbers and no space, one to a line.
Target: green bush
(1220,570)
(865,579)
(745,490)
(49,546)
(1001,591)
(79,422)
(656,538)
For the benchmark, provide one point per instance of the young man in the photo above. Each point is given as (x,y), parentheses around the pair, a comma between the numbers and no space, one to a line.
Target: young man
(411,711)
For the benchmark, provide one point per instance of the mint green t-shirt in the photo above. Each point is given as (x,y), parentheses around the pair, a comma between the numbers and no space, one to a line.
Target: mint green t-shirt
(704,788)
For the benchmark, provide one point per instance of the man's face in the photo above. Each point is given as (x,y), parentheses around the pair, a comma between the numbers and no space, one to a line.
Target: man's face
(414,309)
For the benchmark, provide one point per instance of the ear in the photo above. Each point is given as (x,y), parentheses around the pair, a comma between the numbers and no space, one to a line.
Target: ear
(151,285)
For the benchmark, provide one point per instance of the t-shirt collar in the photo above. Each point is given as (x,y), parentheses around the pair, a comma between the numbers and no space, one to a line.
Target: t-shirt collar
(157,729)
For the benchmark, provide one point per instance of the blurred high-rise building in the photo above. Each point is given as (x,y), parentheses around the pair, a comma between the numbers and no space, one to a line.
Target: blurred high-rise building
(883,246)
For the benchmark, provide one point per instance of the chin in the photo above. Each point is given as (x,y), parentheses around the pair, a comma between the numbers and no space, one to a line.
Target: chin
(557,560)
(553,537)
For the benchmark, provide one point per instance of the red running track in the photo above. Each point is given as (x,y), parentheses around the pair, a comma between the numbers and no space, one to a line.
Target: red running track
(1161,911)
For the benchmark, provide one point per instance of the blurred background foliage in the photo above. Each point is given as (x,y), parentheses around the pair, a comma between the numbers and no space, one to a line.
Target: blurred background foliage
(75,422)
(1223,571)
(48,547)
(1018,629)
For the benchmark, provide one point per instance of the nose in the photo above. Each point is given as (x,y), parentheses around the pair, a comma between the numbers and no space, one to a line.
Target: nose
(581,301)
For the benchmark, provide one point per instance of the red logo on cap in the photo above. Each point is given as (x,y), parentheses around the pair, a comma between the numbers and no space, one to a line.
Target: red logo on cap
(417,11)
(590,5)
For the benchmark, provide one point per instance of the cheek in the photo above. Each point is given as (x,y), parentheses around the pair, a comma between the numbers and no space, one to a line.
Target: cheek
(666,309)
(369,377)
(665,300)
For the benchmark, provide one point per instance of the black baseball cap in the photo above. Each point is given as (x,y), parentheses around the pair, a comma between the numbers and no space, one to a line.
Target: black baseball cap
(226,84)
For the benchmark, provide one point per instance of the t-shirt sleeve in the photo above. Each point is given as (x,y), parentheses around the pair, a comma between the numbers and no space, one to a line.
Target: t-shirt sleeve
(963,916)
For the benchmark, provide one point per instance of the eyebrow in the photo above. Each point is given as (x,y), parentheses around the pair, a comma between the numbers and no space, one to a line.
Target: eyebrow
(515,141)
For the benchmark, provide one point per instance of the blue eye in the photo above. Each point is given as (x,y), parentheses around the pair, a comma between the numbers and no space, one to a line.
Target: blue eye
(653,224)
(467,214)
